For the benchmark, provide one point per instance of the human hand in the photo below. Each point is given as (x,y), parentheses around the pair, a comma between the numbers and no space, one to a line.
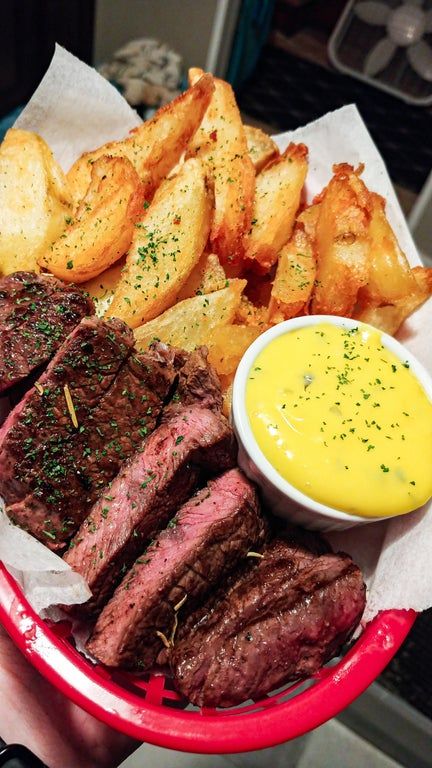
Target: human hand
(34,713)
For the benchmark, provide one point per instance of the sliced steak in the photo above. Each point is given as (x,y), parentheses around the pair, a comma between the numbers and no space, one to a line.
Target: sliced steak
(197,384)
(37,313)
(278,622)
(56,458)
(207,538)
(149,489)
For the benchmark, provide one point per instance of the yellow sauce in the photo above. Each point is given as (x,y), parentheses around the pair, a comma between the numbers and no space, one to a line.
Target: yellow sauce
(343,420)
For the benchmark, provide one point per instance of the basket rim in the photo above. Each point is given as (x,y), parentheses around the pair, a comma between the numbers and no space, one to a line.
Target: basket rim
(203,733)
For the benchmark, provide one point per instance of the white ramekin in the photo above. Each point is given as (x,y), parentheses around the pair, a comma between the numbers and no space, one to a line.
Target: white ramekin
(283,498)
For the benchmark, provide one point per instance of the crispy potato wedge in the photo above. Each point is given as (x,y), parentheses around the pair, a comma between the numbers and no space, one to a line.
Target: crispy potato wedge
(207,276)
(261,147)
(191,322)
(157,145)
(295,276)
(308,218)
(166,245)
(227,345)
(102,229)
(390,317)
(102,288)
(277,198)
(342,243)
(249,313)
(390,275)
(221,143)
(35,202)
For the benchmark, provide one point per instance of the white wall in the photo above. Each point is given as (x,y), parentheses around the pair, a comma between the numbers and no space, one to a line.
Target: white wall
(185,25)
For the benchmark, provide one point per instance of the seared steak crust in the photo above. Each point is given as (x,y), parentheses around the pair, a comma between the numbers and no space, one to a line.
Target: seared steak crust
(37,313)
(208,536)
(52,469)
(197,383)
(279,621)
(150,487)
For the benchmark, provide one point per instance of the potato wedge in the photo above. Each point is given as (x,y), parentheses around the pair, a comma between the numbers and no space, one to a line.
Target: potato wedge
(207,276)
(227,345)
(167,244)
(249,313)
(103,227)
(227,393)
(308,218)
(102,288)
(191,322)
(295,276)
(221,143)
(35,202)
(390,317)
(157,145)
(342,243)
(390,275)
(277,198)
(261,147)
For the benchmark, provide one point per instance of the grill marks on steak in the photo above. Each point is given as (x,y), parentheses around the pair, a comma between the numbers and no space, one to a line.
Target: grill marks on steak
(37,313)
(50,471)
(150,487)
(279,621)
(208,536)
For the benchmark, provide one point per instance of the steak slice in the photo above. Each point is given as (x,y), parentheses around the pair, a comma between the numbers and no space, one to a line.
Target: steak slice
(278,622)
(52,469)
(198,383)
(37,313)
(150,487)
(208,536)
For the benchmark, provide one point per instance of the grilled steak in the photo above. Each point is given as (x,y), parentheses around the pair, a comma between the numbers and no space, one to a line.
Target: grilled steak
(207,537)
(150,487)
(278,622)
(197,383)
(37,313)
(66,439)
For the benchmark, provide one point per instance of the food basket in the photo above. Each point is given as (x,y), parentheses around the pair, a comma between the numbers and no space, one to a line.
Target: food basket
(148,709)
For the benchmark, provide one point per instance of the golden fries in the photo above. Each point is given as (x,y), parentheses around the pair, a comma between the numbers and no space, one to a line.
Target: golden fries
(221,143)
(207,276)
(102,288)
(295,276)
(227,344)
(390,276)
(277,198)
(261,147)
(35,203)
(156,146)
(167,244)
(389,317)
(102,229)
(342,243)
(308,218)
(190,323)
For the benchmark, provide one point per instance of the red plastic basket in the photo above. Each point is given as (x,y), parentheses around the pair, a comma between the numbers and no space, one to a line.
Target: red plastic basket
(148,708)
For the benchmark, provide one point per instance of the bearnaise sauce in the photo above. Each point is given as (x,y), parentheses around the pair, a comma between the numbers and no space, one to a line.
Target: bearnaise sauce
(343,419)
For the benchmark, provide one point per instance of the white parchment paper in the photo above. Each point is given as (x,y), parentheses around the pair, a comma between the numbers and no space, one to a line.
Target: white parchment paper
(75,110)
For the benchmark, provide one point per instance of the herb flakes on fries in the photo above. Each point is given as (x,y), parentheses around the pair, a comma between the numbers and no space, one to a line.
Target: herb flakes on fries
(193,230)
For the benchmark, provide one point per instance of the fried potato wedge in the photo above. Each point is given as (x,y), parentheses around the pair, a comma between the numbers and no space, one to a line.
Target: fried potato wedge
(166,245)
(227,345)
(156,146)
(35,202)
(295,276)
(221,143)
(277,198)
(102,288)
(190,323)
(390,317)
(102,229)
(308,218)
(390,275)
(207,276)
(342,243)
(249,313)
(227,393)
(261,147)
